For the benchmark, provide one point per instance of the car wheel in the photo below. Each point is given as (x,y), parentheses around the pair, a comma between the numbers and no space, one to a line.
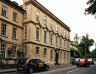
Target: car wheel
(31,70)
(88,65)
(77,65)
(46,68)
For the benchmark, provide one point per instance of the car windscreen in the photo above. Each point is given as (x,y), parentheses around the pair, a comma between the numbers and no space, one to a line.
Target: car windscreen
(89,59)
(82,59)
(22,61)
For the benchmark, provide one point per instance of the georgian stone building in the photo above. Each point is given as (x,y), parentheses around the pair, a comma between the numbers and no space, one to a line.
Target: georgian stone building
(34,29)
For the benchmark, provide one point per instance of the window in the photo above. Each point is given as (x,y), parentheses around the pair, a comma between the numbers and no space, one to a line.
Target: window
(25,51)
(45,36)
(56,41)
(51,24)
(67,46)
(4,11)
(14,16)
(3,29)
(60,42)
(37,50)
(60,30)
(3,50)
(14,52)
(26,31)
(51,38)
(45,51)
(64,55)
(14,33)
(51,55)
(37,33)
(37,18)
(60,56)
(64,33)
(45,20)
(25,13)
(67,56)
(64,44)
(56,27)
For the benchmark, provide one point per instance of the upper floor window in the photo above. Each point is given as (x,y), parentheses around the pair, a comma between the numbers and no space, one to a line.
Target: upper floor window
(45,36)
(67,45)
(56,41)
(60,42)
(45,20)
(37,50)
(51,38)
(56,27)
(14,33)
(64,55)
(51,24)
(3,50)
(37,33)
(4,11)
(26,31)
(60,30)
(64,44)
(64,32)
(25,13)
(3,29)
(37,18)
(14,16)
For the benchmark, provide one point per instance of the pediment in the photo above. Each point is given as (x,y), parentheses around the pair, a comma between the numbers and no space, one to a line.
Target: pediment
(51,30)
(45,28)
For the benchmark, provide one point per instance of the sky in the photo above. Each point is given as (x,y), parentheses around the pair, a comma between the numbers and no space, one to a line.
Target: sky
(71,12)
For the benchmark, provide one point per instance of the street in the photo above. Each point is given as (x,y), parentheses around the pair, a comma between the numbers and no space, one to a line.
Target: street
(69,70)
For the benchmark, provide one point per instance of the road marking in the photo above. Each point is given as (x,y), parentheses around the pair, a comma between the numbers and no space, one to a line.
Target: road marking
(72,70)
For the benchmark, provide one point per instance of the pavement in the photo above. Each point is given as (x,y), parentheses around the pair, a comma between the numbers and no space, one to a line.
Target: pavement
(50,67)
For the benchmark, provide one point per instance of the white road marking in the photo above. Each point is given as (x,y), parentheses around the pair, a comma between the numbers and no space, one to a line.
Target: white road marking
(72,70)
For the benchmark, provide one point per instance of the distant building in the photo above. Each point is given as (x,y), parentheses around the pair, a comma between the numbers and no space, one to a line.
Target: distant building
(34,29)
(72,44)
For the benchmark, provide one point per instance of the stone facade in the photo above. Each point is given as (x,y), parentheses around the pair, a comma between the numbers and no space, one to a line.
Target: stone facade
(28,27)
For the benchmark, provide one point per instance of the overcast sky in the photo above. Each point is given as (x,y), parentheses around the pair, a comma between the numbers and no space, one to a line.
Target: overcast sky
(71,12)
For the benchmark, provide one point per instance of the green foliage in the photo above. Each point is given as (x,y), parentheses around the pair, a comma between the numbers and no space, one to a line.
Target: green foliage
(88,56)
(76,39)
(92,7)
(78,53)
(86,43)
(93,53)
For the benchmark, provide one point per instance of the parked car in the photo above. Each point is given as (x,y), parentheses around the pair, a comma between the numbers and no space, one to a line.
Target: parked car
(31,64)
(82,62)
(75,61)
(90,60)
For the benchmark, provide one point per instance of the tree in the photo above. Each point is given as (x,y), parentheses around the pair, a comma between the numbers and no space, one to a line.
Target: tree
(76,39)
(86,43)
(92,7)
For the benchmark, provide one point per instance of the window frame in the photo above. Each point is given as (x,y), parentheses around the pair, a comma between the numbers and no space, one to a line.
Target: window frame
(14,35)
(3,50)
(37,33)
(38,16)
(51,24)
(4,9)
(56,28)
(51,39)
(56,41)
(25,13)
(45,36)
(25,31)
(37,50)
(51,55)
(4,29)
(14,52)
(45,20)
(14,16)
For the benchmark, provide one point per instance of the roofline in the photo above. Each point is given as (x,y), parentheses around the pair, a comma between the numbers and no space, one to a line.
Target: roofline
(41,7)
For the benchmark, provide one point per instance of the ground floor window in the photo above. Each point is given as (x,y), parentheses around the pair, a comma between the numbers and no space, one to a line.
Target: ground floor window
(13,52)
(37,52)
(3,50)
(25,51)
(45,54)
(67,56)
(64,56)
(61,56)
(51,55)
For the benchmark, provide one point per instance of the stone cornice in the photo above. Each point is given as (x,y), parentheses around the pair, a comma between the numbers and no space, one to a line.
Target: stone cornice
(41,7)
(45,46)
(11,23)
(13,5)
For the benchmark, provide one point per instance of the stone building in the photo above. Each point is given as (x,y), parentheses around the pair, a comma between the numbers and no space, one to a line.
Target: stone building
(34,29)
